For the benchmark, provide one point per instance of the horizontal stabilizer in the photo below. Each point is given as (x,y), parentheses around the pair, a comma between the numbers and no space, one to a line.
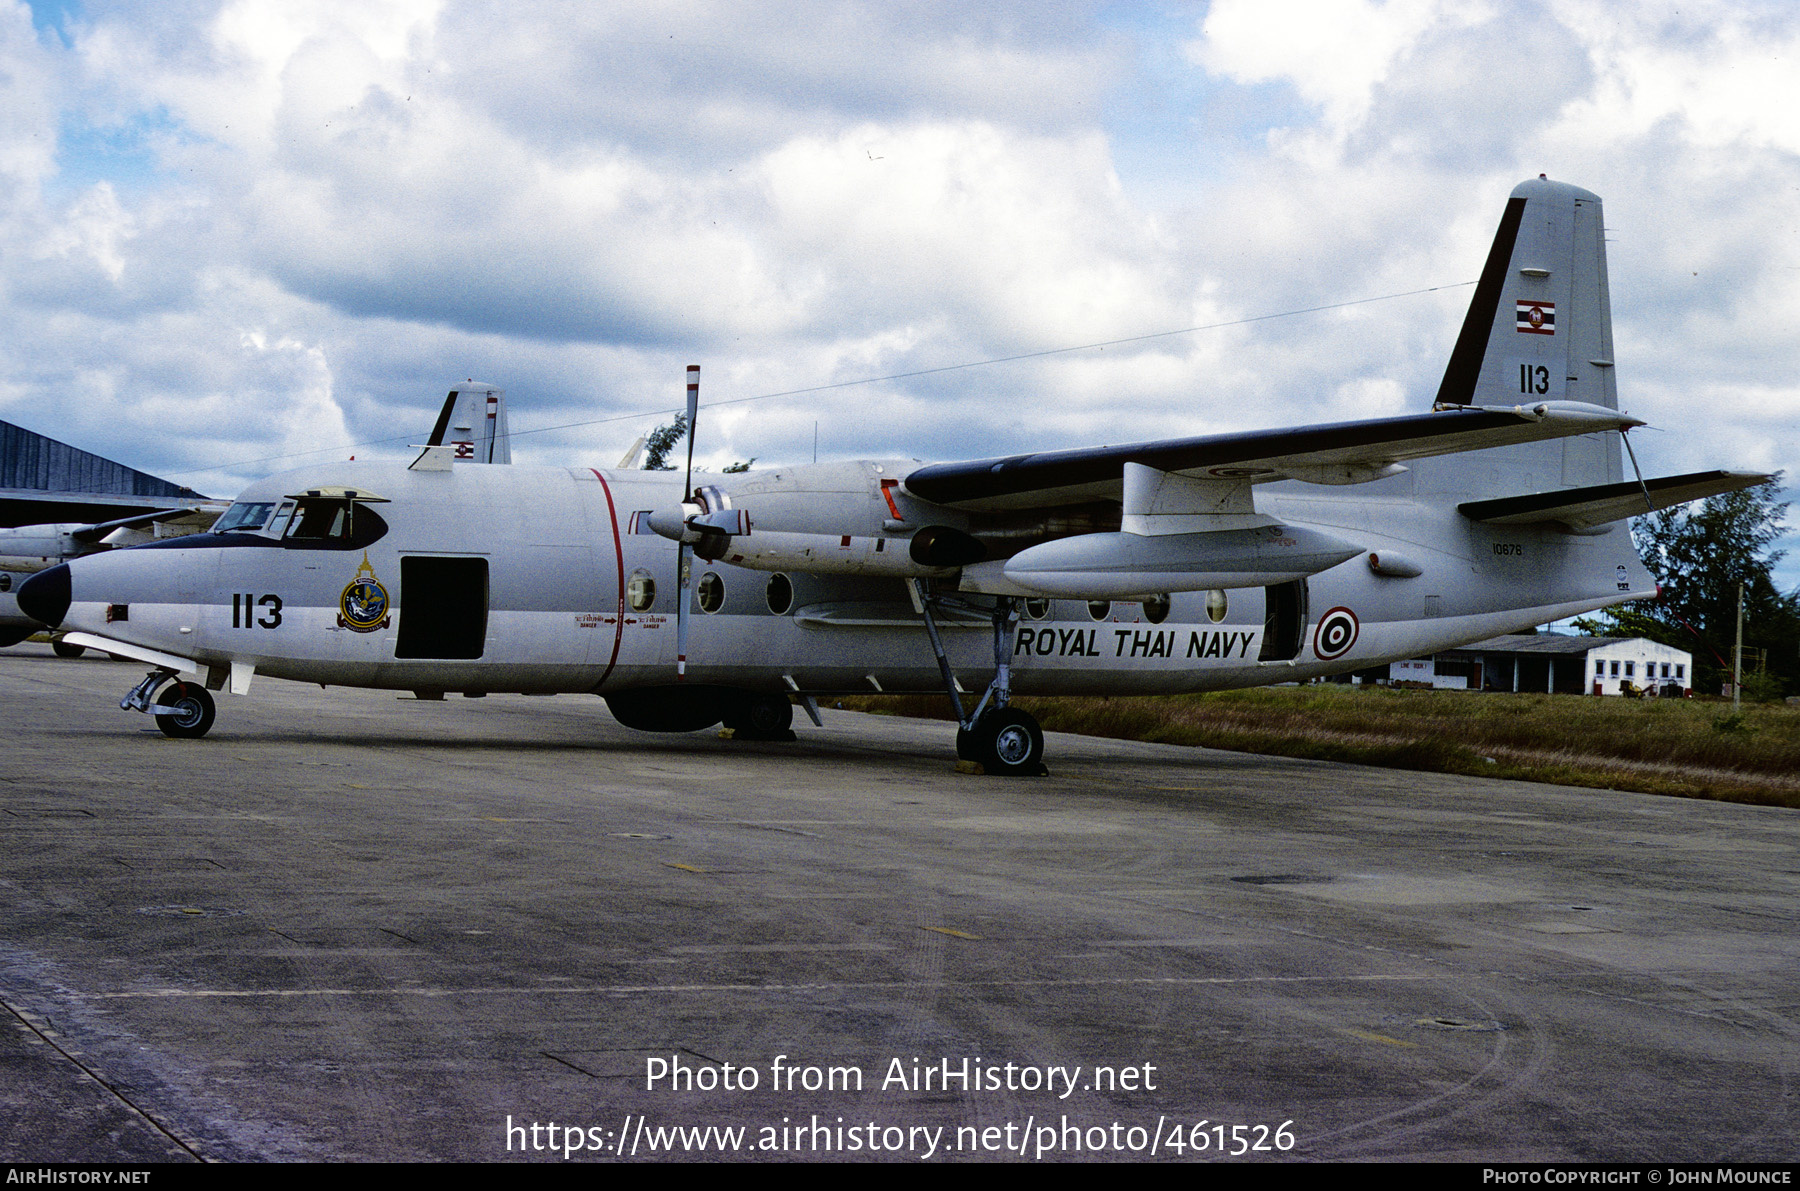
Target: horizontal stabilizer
(1585,508)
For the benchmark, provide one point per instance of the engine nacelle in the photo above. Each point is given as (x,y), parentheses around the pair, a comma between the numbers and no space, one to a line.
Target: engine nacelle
(828,554)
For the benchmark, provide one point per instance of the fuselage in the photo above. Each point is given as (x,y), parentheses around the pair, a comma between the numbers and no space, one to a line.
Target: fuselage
(547,580)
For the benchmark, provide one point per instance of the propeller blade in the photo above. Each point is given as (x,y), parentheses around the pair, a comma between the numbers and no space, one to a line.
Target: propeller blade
(684,559)
(684,553)
(693,414)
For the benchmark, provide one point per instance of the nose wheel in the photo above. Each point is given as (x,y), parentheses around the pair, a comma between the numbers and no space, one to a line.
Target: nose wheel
(183,710)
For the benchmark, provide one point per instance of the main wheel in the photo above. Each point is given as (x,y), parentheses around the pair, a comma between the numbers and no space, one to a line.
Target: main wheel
(1007,742)
(63,649)
(761,716)
(193,714)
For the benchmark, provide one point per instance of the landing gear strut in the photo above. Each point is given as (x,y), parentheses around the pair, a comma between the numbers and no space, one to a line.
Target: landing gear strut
(183,710)
(1003,740)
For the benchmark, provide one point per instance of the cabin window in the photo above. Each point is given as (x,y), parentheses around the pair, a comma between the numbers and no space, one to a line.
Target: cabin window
(779,593)
(1037,609)
(1098,609)
(443,608)
(711,592)
(1215,606)
(640,590)
(1156,609)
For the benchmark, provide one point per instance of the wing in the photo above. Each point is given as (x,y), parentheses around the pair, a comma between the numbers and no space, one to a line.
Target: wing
(1338,453)
(184,520)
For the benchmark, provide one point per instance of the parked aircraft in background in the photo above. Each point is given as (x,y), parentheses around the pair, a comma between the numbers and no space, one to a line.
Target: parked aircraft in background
(58,502)
(1180,565)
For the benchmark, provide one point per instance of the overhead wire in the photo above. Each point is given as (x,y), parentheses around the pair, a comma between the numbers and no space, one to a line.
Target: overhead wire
(867,380)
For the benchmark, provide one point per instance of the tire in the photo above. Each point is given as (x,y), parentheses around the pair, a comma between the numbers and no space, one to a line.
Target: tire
(194,717)
(968,745)
(761,715)
(63,649)
(769,715)
(1007,743)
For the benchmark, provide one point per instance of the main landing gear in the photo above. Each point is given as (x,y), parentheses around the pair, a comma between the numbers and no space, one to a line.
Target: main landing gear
(183,710)
(760,715)
(1003,740)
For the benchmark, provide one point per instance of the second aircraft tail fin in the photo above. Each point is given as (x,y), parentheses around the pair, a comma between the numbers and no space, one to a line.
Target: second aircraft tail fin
(473,420)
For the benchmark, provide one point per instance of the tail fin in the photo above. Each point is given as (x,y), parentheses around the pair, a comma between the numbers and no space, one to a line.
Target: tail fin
(473,420)
(1540,329)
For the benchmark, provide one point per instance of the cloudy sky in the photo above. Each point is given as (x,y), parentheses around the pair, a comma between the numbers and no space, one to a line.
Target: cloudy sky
(239,236)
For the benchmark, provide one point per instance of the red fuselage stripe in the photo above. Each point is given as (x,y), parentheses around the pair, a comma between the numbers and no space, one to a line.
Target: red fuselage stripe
(619,559)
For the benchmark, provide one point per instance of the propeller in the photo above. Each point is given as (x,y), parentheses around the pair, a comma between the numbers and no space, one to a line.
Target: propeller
(684,552)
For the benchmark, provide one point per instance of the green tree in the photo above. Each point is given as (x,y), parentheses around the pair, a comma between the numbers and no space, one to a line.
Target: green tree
(1699,555)
(666,438)
(662,440)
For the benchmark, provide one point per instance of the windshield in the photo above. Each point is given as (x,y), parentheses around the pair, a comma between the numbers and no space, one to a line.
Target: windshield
(245,515)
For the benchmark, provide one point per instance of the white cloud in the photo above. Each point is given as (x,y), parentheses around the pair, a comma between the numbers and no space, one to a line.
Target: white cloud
(1335,53)
(95,227)
(574,201)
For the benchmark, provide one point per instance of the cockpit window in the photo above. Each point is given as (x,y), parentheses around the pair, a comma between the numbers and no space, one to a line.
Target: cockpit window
(322,520)
(245,514)
(279,525)
(329,523)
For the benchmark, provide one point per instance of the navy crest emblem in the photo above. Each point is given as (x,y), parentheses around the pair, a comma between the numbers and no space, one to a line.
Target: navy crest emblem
(363,607)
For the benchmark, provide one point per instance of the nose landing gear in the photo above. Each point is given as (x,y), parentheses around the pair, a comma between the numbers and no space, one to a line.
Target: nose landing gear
(183,710)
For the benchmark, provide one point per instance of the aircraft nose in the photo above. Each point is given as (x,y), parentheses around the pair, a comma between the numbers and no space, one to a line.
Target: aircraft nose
(45,596)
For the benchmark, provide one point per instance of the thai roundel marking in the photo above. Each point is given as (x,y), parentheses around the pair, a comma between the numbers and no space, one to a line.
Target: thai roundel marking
(1336,633)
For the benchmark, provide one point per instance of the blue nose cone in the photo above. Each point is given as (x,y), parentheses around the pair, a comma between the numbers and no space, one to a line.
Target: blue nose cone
(45,596)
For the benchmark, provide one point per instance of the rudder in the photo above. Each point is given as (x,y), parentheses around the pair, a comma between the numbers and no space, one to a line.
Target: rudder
(1540,329)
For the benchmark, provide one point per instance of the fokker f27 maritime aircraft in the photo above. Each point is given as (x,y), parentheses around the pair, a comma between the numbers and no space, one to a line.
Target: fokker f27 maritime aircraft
(1182,565)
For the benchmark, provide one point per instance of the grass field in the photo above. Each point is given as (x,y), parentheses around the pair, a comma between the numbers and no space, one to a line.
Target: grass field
(1688,748)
